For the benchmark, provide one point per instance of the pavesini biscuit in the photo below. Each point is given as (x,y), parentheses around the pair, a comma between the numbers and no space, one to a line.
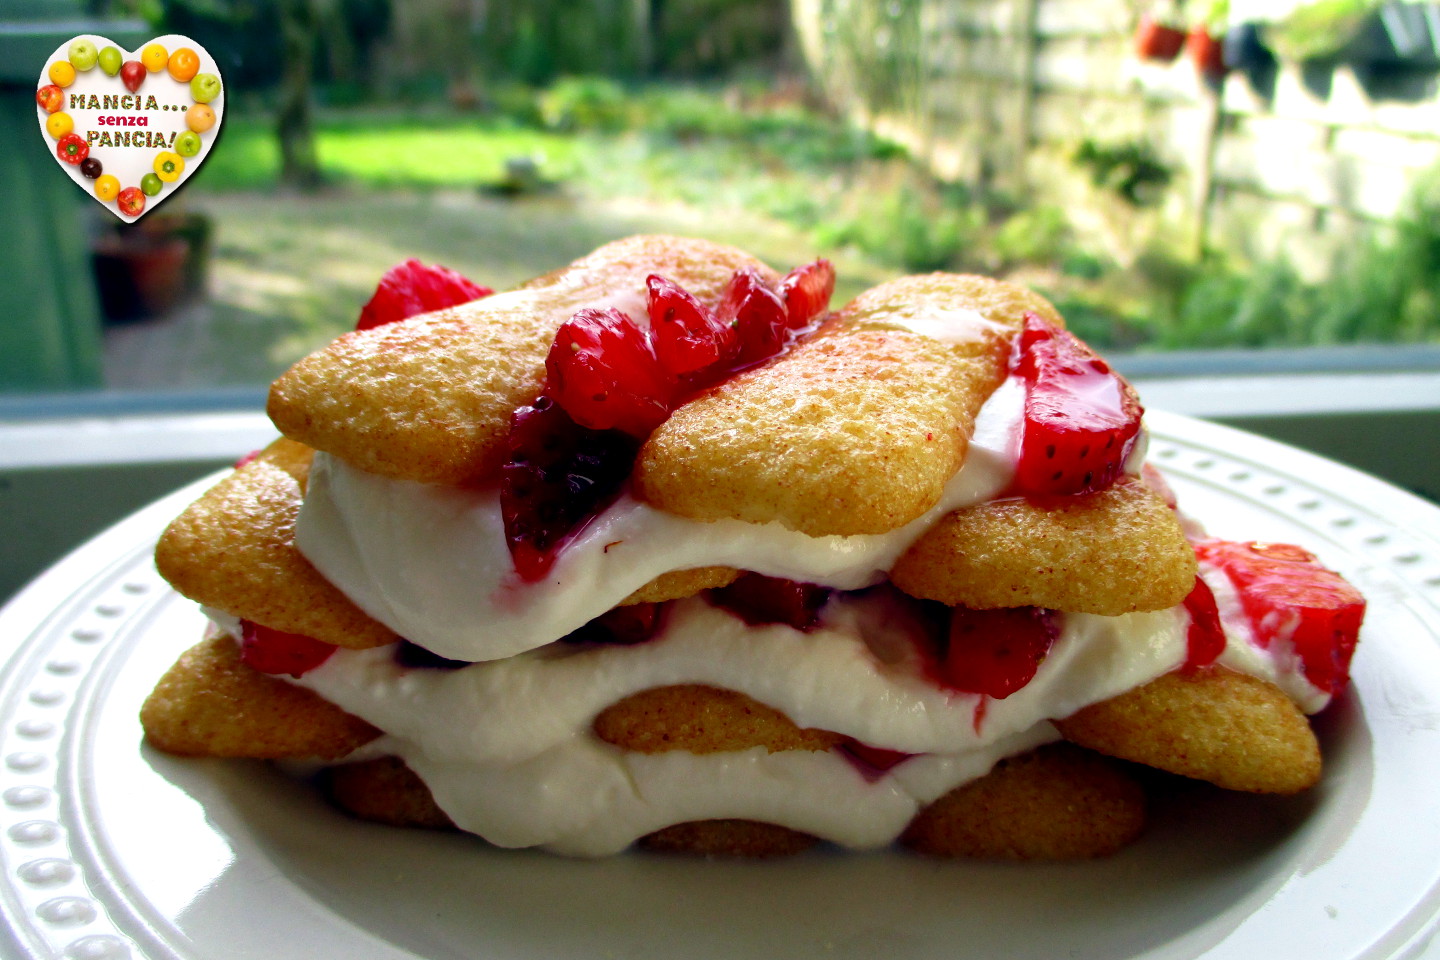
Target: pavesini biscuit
(680,558)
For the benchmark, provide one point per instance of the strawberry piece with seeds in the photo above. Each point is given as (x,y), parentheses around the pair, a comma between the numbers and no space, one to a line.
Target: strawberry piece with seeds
(996,652)
(603,370)
(1205,637)
(411,288)
(758,599)
(1287,596)
(274,651)
(806,291)
(688,336)
(558,476)
(1081,418)
(758,316)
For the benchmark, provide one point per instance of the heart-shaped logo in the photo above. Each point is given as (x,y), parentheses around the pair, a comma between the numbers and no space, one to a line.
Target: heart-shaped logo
(130,127)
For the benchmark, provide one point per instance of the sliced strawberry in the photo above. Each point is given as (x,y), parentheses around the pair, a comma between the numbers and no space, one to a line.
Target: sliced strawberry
(631,624)
(411,288)
(558,476)
(1287,595)
(759,599)
(1081,418)
(688,336)
(806,291)
(872,762)
(1205,638)
(274,651)
(996,652)
(603,370)
(757,314)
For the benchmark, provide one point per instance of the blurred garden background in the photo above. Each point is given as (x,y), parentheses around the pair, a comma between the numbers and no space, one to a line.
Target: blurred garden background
(1192,176)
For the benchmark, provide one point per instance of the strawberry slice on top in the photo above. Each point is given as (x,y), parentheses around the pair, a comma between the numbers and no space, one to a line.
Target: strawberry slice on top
(689,337)
(1081,417)
(602,368)
(1287,596)
(411,288)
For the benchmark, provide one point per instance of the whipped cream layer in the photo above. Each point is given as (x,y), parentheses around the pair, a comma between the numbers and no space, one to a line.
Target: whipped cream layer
(431,562)
(507,748)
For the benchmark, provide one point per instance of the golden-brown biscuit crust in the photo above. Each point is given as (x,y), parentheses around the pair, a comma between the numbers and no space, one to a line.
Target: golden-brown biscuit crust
(1234,730)
(747,839)
(703,719)
(1110,553)
(855,431)
(384,790)
(429,398)
(210,704)
(1055,803)
(679,584)
(234,550)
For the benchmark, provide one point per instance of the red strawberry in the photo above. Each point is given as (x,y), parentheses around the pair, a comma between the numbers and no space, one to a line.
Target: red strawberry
(872,762)
(630,624)
(996,652)
(411,288)
(1205,639)
(688,336)
(558,475)
(757,314)
(759,599)
(806,291)
(1286,593)
(603,370)
(274,651)
(1081,418)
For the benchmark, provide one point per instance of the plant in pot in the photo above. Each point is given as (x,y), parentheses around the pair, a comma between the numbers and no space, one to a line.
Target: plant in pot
(1158,37)
(1204,44)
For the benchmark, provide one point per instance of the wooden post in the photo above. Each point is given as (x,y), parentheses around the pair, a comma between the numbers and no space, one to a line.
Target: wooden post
(1028,16)
(1204,195)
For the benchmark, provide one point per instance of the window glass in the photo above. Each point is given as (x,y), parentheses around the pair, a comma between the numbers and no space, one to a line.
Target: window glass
(1261,176)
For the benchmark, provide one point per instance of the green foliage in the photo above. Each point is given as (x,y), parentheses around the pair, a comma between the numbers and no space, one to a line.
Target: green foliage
(1318,30)
(1039,235)
(585,103)
(1132,169)
(910,227)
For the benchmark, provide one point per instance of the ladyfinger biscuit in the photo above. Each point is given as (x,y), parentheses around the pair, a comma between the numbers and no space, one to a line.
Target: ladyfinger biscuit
(702,719)
(855,431)
(210,704)
(234,550)
(746,839)
(384,790)
(1109,553)
(1236,731)
(1057,802)
(429,398)
(679,584)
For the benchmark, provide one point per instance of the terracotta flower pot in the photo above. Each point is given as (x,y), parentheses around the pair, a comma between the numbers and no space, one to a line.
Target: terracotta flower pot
(1157,41)
(1207,52)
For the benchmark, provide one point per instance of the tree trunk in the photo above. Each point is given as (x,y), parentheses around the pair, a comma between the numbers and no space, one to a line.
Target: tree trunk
(298,163)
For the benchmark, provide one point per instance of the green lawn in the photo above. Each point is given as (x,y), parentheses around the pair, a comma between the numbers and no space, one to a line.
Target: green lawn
(290,270)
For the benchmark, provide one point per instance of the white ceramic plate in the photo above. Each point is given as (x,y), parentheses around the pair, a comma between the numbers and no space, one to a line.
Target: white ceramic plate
(112,850)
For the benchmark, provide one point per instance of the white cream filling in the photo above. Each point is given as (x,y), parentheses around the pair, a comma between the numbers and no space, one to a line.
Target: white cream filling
(430,562)
(506,746)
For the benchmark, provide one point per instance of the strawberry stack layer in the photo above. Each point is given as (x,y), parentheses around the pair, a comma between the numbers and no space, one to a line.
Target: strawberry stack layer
(580,621)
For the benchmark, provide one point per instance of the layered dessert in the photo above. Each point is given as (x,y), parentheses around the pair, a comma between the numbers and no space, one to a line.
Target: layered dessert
(658,548)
